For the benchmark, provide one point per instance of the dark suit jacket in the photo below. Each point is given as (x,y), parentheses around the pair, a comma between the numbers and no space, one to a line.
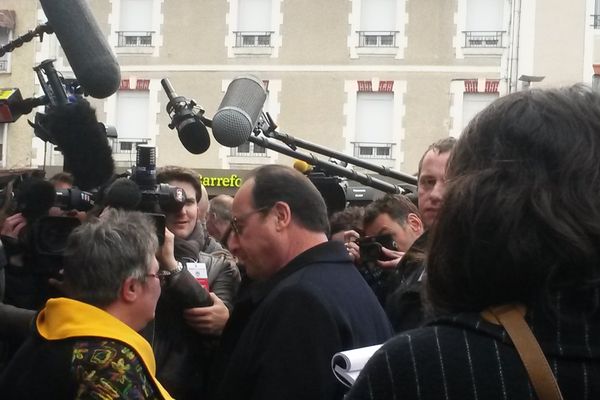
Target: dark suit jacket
(282,334)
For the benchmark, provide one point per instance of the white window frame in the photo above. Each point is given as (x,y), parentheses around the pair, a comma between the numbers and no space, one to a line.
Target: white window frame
(8,56)
(398,129)
(461,51)
(156,33)
(354,39)
(232,40)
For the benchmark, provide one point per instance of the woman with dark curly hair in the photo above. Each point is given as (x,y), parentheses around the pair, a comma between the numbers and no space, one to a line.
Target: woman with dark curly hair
(520,224)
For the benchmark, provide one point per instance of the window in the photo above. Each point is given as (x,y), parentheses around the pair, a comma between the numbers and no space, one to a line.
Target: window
(126,146)
(374,125)
(135,25)
(5,37)
(254,24)
(474,103)
(377,23)
(132,117)
(596,15)
(484,24)
(249,150)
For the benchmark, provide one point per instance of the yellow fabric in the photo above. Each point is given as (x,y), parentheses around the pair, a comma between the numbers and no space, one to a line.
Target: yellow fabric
(64,318)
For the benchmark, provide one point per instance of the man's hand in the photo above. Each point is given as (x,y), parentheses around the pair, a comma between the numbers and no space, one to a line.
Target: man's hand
(393,258)
(208,320)
(166,253)
(353,250)
(13,225)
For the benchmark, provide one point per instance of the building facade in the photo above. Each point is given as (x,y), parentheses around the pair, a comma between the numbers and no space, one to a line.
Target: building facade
(375,79)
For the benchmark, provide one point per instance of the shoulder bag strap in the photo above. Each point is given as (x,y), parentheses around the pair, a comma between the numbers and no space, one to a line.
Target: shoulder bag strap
(511,317)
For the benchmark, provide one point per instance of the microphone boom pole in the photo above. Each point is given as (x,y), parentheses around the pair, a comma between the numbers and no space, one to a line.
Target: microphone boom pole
(330,167)
(292,141)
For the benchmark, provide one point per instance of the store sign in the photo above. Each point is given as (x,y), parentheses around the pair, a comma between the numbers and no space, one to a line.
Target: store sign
(232,181)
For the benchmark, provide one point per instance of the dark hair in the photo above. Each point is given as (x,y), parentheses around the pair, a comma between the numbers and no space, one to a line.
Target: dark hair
(441,146)
(521,214)
(351,218)
(396,206)
(171,173)
(63,177)
(102,253)
(273,183)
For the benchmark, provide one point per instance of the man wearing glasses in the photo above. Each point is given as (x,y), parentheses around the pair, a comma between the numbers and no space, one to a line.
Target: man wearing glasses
(307,301)
(85,345)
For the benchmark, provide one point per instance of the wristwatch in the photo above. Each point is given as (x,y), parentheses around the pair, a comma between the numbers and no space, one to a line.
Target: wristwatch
(178,269)
(169,273)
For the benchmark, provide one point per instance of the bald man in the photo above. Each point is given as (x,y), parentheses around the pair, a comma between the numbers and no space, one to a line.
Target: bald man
(218,219)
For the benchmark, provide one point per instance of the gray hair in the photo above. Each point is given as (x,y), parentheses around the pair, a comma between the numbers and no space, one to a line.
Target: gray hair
(220,206)
(102,253)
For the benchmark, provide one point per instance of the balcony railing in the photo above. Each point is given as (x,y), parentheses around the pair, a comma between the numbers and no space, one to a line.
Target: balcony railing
(127,145)
(134,39)
(377,39)
(248,150)
(483,39)
(252,39)
(596,21)
(373,150)
(3,65)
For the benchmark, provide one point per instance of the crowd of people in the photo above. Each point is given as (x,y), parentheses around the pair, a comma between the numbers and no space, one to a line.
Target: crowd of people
(249,297)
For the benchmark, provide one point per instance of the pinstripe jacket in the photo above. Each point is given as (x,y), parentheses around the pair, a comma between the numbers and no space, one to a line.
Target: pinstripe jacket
(464,357)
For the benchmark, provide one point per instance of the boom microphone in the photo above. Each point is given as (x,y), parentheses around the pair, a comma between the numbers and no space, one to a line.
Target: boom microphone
(92,60)
(236,118)
(192,132)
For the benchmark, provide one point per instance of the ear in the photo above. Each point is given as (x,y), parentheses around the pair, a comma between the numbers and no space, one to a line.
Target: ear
(130,290)
(415,223)
(283,214)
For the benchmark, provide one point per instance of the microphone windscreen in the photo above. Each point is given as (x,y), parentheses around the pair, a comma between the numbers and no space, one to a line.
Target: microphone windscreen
(236,117)
(194,136)
(83,143)
(35,197)
(123,194)
(85,46)
(302,166)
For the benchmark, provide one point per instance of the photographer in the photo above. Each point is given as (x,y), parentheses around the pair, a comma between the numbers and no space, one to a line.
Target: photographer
(14,321)
(390,226)
(185,331)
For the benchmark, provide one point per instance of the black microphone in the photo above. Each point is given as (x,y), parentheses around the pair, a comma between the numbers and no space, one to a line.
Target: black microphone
(123,194)
(236,117)
(82,141)
(85,46)
(192,132)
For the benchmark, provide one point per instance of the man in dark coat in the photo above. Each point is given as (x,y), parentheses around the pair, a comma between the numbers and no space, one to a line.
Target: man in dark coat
(307,302)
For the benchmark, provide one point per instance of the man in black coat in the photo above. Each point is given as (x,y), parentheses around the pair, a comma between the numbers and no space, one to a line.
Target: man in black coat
(307,302)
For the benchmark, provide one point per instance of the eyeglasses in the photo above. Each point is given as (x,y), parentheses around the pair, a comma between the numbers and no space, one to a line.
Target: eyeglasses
(235,221)
(161,275)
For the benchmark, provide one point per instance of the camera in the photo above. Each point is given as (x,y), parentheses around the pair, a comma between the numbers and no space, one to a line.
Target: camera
(156,198)
(371,247)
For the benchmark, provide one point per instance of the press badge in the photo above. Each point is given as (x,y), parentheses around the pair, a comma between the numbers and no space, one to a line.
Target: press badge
(199,272)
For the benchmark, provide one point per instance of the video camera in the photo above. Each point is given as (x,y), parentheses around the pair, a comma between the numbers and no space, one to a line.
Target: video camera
(153,198)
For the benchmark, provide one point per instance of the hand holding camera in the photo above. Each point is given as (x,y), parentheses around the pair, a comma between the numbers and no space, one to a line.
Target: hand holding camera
(381,249)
